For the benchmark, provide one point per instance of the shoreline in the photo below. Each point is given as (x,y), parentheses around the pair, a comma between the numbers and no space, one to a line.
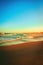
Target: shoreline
(17,46)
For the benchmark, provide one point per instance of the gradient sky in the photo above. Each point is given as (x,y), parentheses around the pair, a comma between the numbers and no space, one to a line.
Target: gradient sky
(21,16)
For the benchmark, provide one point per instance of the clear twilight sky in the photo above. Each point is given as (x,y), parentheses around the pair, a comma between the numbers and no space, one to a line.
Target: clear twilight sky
(21,16)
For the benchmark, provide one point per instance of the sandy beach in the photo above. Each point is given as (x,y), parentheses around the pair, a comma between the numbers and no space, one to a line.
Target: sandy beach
(30,53)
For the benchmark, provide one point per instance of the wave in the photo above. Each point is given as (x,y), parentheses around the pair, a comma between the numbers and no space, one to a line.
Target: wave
(8,40)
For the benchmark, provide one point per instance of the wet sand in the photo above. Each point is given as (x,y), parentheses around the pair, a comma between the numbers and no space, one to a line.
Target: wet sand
(30,53)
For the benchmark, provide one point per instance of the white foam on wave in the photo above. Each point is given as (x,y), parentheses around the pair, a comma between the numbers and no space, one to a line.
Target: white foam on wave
(15,42)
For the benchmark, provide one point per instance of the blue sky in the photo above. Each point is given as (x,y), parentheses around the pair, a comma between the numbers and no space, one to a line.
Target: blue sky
(21,16)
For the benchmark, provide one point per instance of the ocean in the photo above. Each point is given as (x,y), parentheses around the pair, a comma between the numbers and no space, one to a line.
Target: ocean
(17,39)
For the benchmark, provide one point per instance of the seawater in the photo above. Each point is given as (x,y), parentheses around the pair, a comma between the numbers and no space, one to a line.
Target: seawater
(22,40)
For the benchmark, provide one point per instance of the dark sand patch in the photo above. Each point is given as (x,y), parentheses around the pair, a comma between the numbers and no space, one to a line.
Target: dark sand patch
(30,53)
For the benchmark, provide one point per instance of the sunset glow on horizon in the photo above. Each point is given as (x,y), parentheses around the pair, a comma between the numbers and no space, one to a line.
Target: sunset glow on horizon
(25,16)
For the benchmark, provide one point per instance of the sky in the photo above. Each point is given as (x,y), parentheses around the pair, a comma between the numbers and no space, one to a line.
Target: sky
(21,16)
